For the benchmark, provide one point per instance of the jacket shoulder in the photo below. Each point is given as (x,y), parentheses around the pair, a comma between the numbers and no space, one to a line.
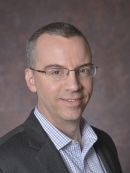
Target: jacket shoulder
(16,131)
(11,134)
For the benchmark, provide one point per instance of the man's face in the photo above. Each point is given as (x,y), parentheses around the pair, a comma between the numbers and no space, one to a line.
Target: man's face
(61,101)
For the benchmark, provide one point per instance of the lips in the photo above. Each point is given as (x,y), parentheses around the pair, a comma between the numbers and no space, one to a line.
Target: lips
(72,101)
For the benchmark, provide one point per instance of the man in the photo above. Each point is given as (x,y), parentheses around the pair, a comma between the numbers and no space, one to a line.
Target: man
(55,138)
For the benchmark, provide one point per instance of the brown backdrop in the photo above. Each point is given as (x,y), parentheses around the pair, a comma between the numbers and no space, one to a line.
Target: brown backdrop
(106,24)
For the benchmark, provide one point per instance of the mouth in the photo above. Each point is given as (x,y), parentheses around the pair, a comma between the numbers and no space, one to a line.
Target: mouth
(75,102)
(72,100)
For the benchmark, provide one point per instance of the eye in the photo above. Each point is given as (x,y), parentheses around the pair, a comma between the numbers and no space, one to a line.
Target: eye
(56,72)
(85,70)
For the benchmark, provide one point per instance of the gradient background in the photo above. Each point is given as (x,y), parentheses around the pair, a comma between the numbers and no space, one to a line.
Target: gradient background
(106,24)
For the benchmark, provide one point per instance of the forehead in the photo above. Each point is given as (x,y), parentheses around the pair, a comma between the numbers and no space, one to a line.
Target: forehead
(53,49)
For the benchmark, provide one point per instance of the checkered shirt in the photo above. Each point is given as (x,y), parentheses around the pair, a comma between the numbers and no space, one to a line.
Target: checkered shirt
(77,160)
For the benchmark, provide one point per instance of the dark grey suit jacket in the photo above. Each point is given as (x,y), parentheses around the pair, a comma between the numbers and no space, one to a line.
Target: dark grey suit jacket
(28,149)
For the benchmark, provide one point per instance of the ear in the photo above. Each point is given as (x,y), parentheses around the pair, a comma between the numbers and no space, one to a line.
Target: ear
(29,77)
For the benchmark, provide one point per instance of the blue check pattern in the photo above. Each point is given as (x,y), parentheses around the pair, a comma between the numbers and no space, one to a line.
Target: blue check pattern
(77,159)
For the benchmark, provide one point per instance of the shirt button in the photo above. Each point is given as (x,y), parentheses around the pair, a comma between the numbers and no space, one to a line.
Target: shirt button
(74,142)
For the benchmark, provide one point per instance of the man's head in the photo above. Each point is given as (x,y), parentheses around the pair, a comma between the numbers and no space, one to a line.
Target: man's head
(58,28)
(62,94)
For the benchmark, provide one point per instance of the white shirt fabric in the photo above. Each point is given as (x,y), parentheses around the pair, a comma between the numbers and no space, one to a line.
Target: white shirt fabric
(77,159)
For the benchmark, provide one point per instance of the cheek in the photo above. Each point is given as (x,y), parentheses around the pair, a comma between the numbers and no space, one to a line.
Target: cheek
(88,86)
(49,89)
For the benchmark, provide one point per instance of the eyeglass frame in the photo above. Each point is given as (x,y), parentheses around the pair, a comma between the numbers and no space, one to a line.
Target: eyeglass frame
(90,64)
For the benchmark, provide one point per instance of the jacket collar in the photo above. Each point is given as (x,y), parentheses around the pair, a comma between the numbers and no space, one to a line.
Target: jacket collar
(104,156)
(104,148)
(47,156)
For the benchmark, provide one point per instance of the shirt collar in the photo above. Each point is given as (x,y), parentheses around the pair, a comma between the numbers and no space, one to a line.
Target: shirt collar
(59,139)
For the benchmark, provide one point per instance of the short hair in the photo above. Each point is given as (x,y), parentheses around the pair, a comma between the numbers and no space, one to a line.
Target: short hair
(59,28)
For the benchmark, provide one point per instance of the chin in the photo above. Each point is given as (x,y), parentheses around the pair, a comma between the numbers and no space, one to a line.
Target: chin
(72,116)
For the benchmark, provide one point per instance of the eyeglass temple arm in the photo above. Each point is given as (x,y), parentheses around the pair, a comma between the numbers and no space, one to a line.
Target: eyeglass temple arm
(38,70)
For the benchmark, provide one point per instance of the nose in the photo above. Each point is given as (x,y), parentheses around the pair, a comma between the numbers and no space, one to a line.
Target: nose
(72,82)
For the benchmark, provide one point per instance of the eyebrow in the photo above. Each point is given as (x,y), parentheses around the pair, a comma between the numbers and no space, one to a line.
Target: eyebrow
(84,65)
(54,66)
(60,66)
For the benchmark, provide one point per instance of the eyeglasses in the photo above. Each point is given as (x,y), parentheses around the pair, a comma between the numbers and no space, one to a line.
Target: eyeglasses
(57,73)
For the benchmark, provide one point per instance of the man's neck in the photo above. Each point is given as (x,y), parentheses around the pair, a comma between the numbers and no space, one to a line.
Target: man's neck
(72,130)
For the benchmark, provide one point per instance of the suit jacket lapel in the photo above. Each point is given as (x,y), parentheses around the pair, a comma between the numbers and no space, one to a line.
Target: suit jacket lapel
(48,156)
(107,154)
(104,156)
